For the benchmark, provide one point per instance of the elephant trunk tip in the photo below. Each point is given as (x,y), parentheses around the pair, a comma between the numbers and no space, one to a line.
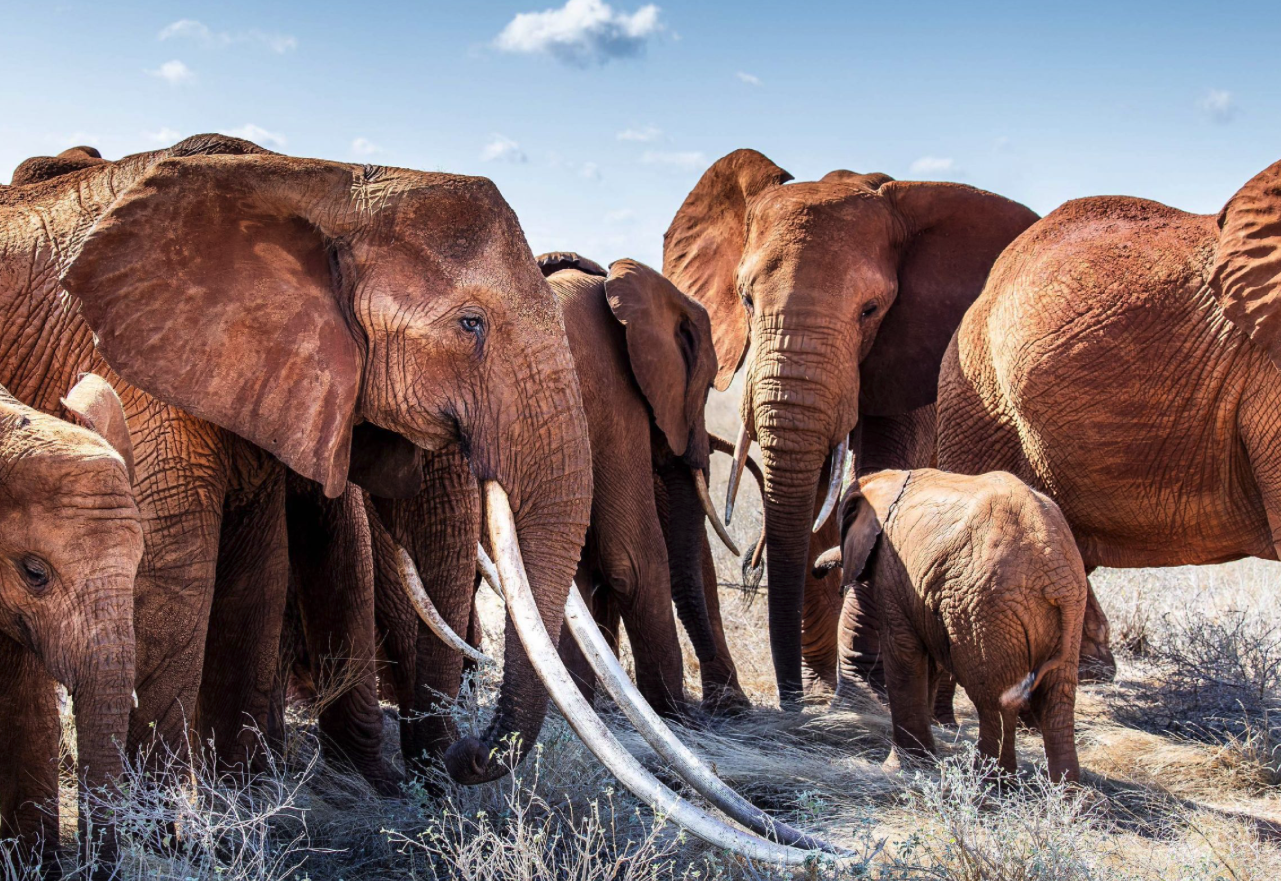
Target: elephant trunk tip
(468,762)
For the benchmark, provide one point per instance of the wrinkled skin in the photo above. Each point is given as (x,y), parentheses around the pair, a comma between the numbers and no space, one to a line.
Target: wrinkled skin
(840,297)
(70,541)
(256,309)
(976,577)
(1124,358)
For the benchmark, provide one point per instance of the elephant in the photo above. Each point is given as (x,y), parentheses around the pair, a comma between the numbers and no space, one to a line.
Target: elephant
(1123,358)
(41,168)
(257,313)
(70,539)
(977,577)
(840,296)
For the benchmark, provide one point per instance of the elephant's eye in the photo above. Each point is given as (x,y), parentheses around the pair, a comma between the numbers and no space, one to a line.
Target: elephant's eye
(34,571)
(472,323)
(868,311)
(748,304)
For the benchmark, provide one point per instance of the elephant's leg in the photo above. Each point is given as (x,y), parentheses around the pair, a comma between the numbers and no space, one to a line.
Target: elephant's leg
(996,734)
(332,566)
(242,653)
(858,639)
(1097,663)
(944,695)
(28,752)
(570,654)
(396,622)
(1054,704)
(181,485)
(722,692)
(650,622)
(907,685)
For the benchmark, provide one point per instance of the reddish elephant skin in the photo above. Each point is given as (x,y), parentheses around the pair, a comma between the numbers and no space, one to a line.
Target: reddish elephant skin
(253,309)
(977,577)
(1124,358)
(848,290)
(70,542)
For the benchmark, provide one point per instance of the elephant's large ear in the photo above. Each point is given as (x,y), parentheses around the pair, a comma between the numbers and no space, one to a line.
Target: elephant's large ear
(1247,265)
(93,404)
(208,287)
(669,345)
(554,261)
(704,244)
(864,511)
(955,234)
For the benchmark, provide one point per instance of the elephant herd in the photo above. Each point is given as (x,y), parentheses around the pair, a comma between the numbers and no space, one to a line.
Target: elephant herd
(261,407)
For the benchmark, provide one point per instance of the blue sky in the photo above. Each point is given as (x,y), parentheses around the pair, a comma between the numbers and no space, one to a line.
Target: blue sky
(595,120)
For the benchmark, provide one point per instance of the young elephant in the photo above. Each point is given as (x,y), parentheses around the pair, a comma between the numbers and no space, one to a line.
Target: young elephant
(978,577)
(70,542)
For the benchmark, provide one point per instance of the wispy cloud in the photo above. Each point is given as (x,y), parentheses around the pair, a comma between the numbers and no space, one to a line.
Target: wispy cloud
(175,73)
(503,148)
(196,30)
(933,165)
(645,134)
(163,136)
(259,135)
(581,33)
(1218,105)
(589,171)
(750,79)
(365,147)
(686,160)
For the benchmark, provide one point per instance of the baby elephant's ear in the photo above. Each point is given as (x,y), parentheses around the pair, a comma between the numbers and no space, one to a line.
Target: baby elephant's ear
(93,404)
(864,510)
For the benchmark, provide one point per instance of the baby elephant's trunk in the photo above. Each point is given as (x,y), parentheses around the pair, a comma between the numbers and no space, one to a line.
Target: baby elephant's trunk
(1017,696)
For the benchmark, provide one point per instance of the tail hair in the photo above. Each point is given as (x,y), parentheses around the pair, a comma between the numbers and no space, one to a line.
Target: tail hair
(1016,697)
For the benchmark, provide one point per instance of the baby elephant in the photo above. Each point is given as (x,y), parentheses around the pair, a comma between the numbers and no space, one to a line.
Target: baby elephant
(979,577)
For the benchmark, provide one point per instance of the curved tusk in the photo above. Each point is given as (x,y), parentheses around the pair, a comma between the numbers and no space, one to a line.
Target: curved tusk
(596,736)
(700,483)
(741,446)
(759,552)
(840,457)
(135,698)
(428,612)
(664,742)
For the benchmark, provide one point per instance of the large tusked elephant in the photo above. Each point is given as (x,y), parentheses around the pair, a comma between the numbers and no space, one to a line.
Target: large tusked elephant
(1124,357)
(840,295)
(70,542)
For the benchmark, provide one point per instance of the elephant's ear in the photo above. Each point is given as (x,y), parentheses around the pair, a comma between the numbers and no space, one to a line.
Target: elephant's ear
(208,287)
(870,181)
(864,512)
(704,244)
(93,404)
(955,233)
(1247,266)
(669,345)
(555,261)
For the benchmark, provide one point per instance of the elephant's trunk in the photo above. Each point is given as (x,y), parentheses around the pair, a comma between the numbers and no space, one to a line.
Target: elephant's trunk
(685,532)
(544,464)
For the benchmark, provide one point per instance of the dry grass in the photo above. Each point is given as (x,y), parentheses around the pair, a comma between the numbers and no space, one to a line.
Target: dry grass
(1180,759)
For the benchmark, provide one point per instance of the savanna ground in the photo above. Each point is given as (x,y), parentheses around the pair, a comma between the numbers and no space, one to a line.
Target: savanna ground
(1181,761)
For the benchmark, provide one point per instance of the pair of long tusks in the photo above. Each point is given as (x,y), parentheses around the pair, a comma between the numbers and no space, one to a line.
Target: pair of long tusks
(741,445)
(700,483)
(509,579)
(428,612)
(840,461)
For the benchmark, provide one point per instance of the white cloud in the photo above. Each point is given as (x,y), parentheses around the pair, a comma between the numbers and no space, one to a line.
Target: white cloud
(750,79)
(501,147)
(682,159)
(195,30)
(933,165)
(644,134)
(581,33)
(589,171)
(365,147)
(175,73)
(163,136)
(259,135)
(1218,104)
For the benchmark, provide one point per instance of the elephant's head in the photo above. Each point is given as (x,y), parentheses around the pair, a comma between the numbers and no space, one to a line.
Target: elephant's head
(848,290)
(291,300)
(1246,268)
(70,542)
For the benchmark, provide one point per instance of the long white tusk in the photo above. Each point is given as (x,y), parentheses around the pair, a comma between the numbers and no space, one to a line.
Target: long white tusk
(135,698)
(595,735)
(840,458)
(741,446)
(664,742)
(428,612)
(700,483)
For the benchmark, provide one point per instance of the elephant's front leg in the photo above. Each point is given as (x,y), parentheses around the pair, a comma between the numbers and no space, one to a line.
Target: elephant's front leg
(332,566)
(722,692)
(28,752)
(242,652)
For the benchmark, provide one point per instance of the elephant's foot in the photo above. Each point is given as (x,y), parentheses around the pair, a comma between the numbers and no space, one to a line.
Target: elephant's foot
(724,700)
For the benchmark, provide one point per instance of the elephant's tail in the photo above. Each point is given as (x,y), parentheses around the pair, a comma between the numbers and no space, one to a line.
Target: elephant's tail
(1016,697)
